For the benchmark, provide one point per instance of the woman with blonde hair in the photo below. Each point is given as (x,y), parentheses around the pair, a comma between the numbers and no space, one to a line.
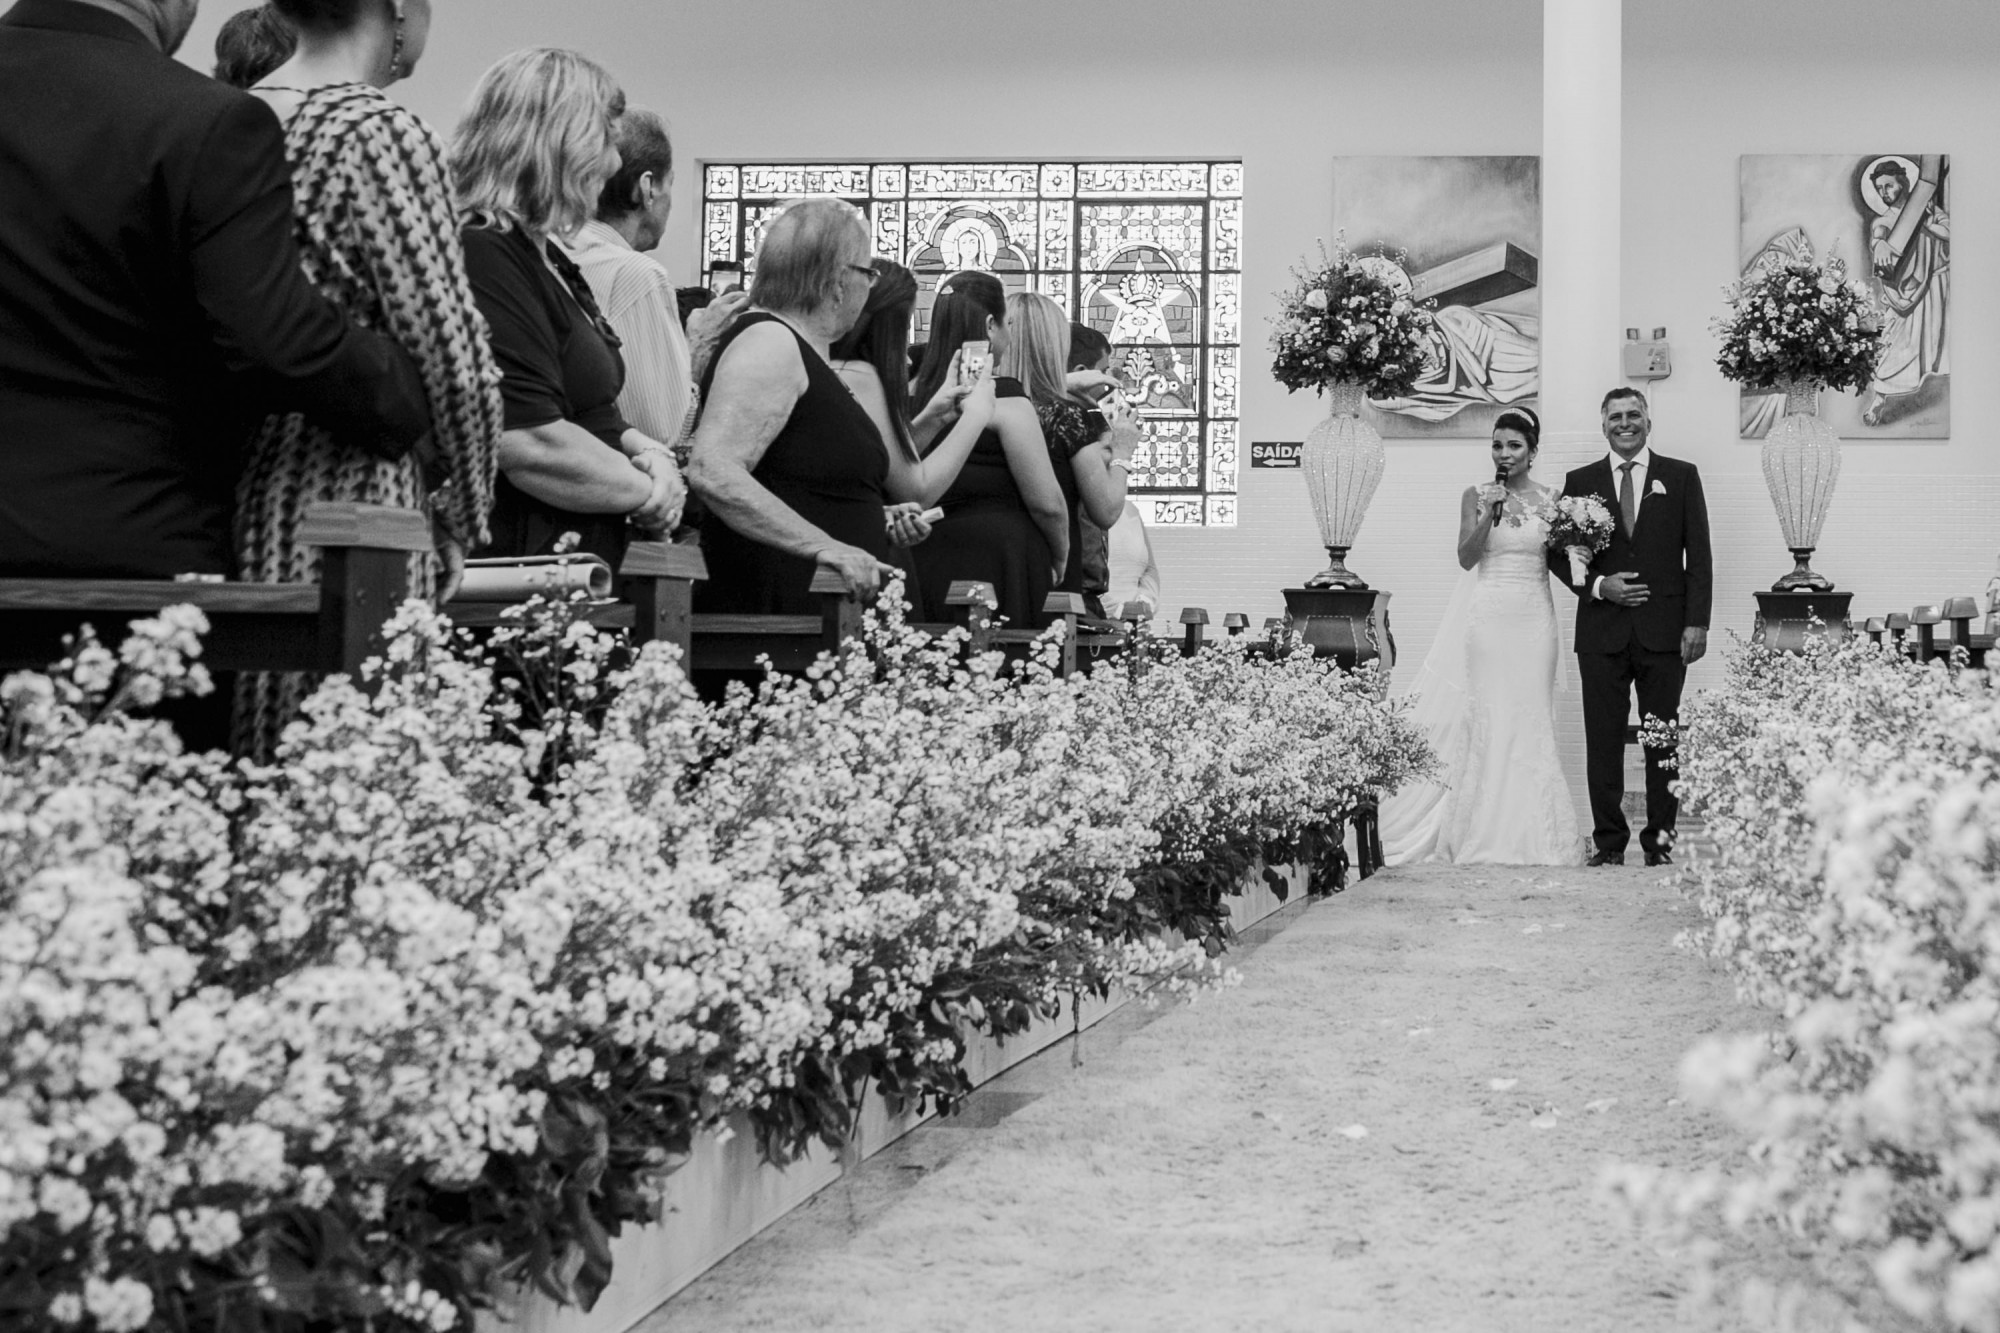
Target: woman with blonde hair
(528,160)
(1090,449)
(372,212)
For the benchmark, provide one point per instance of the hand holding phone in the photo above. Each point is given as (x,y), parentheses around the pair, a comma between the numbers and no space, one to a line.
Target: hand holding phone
(973,356)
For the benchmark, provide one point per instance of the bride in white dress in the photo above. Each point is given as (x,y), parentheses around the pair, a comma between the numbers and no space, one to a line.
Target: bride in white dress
(1486,694)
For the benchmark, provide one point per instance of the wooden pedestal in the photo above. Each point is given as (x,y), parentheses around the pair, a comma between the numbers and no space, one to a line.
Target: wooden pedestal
(1785,619)
(1350,625)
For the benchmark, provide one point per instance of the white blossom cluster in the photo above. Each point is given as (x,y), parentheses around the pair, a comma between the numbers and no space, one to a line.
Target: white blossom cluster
(1854,801)
(510,939)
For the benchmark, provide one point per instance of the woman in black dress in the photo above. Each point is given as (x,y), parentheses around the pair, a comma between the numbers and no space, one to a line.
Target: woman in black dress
(1091,449)
(527,162)
(873,360)
(1005,521)
(790,468)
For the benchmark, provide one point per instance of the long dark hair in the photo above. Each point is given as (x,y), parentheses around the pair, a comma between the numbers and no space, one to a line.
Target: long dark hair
(881,337)
(965,301)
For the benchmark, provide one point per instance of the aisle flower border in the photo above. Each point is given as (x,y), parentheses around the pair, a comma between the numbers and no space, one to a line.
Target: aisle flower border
(427,1008)
(1853,799)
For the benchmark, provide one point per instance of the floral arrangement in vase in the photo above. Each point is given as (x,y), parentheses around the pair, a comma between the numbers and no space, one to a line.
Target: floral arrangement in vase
(1804,323)
(1353,318)
(1352,325)
(1579,525)
(1799,328)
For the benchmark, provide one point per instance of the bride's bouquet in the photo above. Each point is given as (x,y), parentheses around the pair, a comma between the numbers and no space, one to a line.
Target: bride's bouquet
(1355,318)
(1579,525)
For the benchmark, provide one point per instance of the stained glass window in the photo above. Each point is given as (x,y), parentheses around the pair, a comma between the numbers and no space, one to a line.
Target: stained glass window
(1148,253)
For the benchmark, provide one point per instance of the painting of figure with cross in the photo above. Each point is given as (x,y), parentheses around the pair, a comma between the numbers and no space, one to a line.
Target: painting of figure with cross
(1468,231)
(1887,218)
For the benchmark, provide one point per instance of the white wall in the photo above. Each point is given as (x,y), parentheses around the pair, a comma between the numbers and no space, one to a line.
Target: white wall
(1709,80)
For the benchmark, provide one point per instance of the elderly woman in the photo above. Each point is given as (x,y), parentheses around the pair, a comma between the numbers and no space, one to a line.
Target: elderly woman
(790,466)
(536,146)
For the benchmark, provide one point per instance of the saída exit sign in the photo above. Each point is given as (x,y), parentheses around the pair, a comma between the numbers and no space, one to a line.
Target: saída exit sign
(1275,453)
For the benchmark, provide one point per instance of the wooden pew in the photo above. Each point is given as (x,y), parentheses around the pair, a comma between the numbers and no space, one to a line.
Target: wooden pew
(1925,620)
(330,626)
(1194,626)
(730,642)
(1898,626)
(1961,612)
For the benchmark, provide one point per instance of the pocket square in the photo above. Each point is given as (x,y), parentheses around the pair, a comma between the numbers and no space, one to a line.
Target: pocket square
(1656,489)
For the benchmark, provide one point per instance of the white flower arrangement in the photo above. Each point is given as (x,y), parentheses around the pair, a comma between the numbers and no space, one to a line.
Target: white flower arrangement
(494,939)
(1854,801)
(1801,322)
(1354,318)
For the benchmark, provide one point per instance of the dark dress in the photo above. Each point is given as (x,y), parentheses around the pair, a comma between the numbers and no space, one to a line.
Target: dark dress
(988,534)
(555,365)
(1069,428)
(828,465)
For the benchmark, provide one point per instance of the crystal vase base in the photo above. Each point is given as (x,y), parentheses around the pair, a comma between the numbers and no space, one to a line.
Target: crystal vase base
(1337,574)
(1802,578)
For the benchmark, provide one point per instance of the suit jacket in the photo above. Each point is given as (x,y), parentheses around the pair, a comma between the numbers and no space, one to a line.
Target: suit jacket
(152,305)
(1668,548)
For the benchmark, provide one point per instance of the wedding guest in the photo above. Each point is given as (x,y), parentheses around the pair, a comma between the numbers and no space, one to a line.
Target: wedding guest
(1090,449)
(790,467)
(528,161)
(873,360)
(149,285)
(251,44)
(1133,573)
(635,291)
(375,227)
(1005,520)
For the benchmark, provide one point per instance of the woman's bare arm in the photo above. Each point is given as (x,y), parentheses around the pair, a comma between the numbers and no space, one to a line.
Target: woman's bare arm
(562,464)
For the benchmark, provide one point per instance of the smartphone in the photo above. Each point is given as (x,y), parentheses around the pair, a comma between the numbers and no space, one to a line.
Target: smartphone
(972,356)
(725,275)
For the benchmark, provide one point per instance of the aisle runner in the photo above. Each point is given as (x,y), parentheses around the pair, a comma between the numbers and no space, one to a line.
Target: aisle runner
(1396,1123)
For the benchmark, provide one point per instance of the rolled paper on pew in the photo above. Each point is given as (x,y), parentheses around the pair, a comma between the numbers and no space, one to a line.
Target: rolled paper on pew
(516,579)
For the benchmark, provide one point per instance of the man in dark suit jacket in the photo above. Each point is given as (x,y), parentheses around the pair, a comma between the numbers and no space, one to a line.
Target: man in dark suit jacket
(151,300)
(1641,619)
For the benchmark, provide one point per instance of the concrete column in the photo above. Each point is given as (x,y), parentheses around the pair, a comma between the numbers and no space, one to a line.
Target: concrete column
(1582,184)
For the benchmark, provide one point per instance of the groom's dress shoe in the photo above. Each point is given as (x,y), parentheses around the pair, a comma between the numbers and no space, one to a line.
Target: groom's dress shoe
(1660,858)
(1607,858)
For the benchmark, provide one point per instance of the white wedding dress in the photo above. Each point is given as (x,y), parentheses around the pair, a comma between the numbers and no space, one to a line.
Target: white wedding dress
(1486,698)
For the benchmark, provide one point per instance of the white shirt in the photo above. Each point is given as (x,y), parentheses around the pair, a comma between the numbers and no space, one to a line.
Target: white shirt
(636,293)
(1641,470)
(1134,574)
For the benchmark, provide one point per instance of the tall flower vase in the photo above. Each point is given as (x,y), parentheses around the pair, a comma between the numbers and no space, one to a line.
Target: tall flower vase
(1801,466)
(1343,461)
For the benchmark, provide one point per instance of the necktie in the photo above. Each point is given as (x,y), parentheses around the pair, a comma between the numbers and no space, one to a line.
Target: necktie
(1628,503)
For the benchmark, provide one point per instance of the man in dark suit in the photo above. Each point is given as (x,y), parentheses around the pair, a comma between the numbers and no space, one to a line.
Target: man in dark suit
(1641,619)
(151,300)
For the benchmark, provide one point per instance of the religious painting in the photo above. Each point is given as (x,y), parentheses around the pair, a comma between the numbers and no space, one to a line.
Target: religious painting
(1148,253)
(1469,234)
(1887,218)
